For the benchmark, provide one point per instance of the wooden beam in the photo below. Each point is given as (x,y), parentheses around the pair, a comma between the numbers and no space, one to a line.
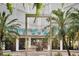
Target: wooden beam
(34,15)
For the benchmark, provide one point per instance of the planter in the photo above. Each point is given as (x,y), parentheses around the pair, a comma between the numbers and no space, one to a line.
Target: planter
(39,48)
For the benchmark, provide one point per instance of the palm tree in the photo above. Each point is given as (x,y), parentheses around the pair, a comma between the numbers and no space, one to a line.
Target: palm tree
(76,26)
(52,34)
(64,19)
(72,33)
(8,28)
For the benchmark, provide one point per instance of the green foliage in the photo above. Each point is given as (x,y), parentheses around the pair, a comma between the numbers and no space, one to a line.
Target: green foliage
(75,24)
(45,39)
(61,19)
(10,7)
(0,48)
(58,54)
(8,27)
(7,54)
(39,7)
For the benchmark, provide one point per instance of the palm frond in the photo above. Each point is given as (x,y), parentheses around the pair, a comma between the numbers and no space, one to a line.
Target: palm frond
(6,18)
(45,27)
(11,37)
(39,7)
(24,5)
(14,20)
(9,28)
(14,32)
(14,26)
(10,7)
(68,12)
(3,14)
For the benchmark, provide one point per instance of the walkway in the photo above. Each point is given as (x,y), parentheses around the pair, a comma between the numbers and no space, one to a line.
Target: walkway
(43,53)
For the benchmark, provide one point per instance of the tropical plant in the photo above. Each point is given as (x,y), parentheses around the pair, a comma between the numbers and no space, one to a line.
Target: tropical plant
(62,21)
(72,34)
(7,54)
(75,16)
(10,7)
(38,6)
(8,28)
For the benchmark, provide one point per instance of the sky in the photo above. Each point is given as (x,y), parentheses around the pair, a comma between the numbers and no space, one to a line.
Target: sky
(19,11)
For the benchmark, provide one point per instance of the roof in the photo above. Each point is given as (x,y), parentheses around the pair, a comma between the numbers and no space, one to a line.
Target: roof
(32,36)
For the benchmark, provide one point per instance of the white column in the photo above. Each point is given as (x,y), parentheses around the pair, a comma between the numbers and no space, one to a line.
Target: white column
(29,42)
(26,46)
(48,46)
(3,47)
(3,44)
(17,44)
(61,45)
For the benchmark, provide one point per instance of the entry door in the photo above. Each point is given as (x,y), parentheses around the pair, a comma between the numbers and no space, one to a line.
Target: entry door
(21,43)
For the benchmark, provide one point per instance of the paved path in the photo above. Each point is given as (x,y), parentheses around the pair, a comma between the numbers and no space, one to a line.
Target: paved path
(29,53)
(39,53)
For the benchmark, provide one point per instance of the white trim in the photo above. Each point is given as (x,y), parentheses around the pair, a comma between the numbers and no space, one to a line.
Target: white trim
(48,46)
(61,45)
(17,44)
(29,42)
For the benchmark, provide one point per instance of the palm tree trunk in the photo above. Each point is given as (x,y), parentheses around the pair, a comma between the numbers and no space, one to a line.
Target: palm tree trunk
(26,46)
(66,46)
(50,51)
(1,37)
(50,38)
(0,47)
(78,44)
(70,44)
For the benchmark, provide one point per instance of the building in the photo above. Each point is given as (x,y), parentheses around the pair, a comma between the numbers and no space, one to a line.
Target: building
(34,29)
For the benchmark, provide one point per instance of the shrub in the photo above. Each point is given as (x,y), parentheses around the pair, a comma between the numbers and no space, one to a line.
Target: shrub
(6,54)
(58,54)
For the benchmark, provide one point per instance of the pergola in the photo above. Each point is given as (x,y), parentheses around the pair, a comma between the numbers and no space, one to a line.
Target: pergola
(34,36)
(29,36)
